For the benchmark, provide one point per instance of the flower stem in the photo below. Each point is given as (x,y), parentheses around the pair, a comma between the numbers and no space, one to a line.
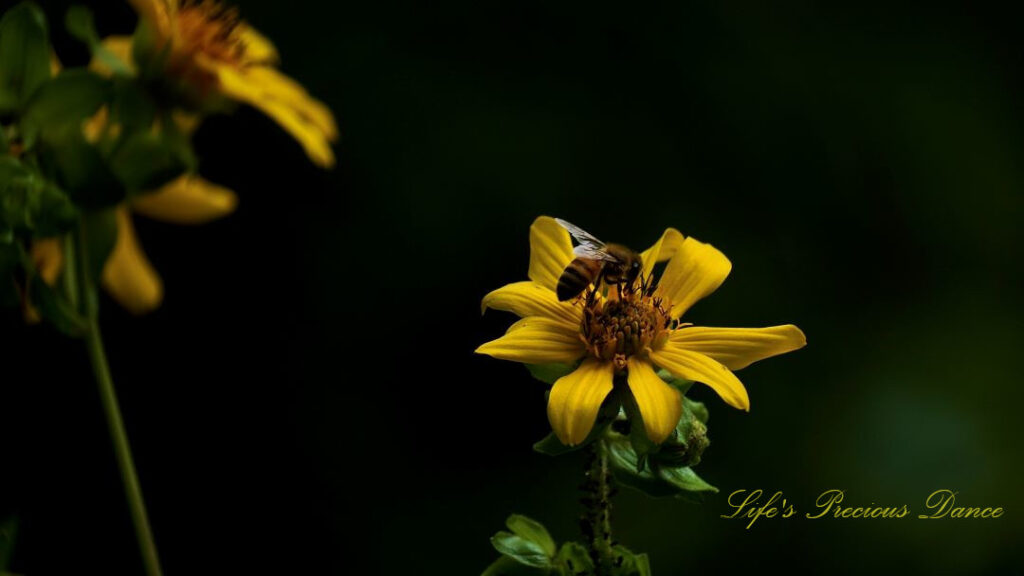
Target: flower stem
(108,397)
(597,520)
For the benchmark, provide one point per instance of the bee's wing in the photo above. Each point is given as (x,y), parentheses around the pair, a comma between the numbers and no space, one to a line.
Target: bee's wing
(589,247)
(592,253)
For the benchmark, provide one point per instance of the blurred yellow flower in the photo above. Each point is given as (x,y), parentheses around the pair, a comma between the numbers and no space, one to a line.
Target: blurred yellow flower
(629,334)
(210,49)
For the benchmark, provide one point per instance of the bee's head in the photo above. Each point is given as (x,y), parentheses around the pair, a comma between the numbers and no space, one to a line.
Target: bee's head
(633,271)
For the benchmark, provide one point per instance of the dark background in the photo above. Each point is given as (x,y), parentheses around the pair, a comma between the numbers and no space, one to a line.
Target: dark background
(307,400)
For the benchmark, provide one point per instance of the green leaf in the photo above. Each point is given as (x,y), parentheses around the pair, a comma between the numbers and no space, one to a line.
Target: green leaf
(131,106)
(549,373)
(81,169)
(146,161)
(574,560)
(630,564)
(533,531)
(506,566)
(521,550)
(24,55)
(74,95)
(99,232)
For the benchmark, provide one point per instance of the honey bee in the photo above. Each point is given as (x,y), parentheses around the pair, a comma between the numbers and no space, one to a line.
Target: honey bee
(596,261)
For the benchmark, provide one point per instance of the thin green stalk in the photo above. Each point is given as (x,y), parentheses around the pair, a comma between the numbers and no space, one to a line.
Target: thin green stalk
(108,397)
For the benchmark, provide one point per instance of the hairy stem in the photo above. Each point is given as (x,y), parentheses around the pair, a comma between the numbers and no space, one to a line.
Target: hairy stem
(597,520)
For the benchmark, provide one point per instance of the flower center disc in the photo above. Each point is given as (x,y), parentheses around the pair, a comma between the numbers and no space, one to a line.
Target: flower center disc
(617,329)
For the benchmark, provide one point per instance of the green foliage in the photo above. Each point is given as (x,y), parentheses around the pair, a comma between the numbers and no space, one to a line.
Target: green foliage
(665,469)
(529,550)
(630,564)
(24,55)
(655,478)
(29,205)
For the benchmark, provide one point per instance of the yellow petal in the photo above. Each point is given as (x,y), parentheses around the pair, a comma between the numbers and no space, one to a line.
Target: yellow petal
(48,258)
(661,250)
(188,199)
(258,48)
(537,340)
(694,366)
(128,276)
(289,92)
(576,399)
(659,404)
(737,348)
(532,299)
(550,251)
(696,270)
(304,119)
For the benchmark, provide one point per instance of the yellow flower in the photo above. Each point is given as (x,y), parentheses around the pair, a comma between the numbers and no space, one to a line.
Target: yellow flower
(628,335)
(208,48)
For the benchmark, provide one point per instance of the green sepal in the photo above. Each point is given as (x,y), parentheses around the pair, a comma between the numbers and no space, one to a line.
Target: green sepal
(99,233)
(24,55)
(698,409)
(573,560)
(550,373)
(641,444)
(688,441)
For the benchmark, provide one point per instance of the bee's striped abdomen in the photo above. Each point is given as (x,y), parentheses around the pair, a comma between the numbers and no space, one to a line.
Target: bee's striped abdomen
(577,275)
